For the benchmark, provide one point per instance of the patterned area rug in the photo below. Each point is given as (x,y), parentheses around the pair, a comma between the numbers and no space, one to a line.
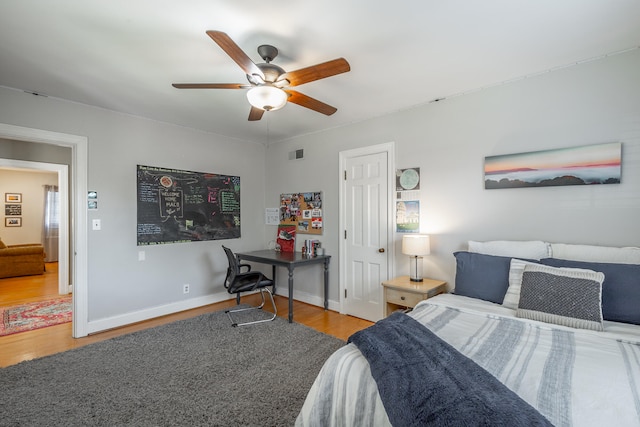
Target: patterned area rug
(36,315)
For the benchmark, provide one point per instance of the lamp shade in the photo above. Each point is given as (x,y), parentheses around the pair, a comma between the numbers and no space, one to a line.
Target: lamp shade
(416,244)
(268,98)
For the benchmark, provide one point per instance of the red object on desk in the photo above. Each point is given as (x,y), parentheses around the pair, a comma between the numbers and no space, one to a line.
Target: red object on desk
(286,238)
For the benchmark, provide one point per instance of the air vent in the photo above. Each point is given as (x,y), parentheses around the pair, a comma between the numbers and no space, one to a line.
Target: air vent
(296,154)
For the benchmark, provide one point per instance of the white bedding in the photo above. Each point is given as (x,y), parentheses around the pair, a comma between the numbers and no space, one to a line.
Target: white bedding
(616,330)
(572,376)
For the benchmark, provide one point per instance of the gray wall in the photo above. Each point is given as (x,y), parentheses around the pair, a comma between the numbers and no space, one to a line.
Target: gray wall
(34,152)
(119,284)
(590,103)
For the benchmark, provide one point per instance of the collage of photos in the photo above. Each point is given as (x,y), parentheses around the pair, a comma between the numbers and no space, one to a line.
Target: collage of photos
(304,210)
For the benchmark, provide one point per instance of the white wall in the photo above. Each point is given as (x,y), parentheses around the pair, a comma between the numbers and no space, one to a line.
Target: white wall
(30,185)
(590,103)
(122,289)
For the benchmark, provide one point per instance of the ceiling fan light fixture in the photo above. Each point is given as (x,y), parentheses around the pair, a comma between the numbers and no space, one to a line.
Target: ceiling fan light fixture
(267,97)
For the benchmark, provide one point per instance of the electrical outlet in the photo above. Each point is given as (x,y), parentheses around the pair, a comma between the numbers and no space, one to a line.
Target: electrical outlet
(185,288)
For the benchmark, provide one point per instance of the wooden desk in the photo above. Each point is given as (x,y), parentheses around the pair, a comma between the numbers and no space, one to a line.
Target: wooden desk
(290,260)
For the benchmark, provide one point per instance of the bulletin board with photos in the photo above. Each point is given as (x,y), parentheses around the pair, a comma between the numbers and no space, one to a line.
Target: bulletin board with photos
(304,210)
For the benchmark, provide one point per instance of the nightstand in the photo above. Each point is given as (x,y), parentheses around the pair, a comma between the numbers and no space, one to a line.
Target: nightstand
(401,292)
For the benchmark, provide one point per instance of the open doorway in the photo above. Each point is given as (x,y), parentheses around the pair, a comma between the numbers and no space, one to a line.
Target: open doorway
(33,176)
(24,140)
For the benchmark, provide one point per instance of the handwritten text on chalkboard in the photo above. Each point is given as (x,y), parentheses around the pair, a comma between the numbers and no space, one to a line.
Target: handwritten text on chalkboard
(182,206)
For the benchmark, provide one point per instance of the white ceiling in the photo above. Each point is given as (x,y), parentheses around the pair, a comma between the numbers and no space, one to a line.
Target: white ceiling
(123,55)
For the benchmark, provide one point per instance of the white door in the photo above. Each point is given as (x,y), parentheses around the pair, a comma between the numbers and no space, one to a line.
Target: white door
(366,232)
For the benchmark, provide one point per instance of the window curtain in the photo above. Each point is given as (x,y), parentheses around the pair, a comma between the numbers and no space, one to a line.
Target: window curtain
(51,222)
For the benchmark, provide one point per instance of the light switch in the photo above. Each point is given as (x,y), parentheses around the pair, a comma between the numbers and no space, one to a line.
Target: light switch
(96,224)
(141,256)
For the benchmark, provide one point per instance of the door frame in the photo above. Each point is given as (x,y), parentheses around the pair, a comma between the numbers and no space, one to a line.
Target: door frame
(62,172)
(78,190)
(389,148)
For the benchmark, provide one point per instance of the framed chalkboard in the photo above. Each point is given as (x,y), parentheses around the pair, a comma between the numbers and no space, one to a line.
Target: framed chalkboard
(183,206)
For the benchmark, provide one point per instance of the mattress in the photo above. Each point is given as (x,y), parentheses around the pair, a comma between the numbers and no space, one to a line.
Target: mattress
(571,376)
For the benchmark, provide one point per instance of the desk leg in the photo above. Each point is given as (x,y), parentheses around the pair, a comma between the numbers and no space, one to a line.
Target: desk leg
(326,284)
(290,293)
(273,274)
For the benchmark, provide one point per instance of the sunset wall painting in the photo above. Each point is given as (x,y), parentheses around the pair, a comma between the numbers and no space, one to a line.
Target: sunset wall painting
(585,165)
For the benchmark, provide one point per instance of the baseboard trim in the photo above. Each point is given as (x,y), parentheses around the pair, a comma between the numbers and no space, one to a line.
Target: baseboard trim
(308,298)
(101,325)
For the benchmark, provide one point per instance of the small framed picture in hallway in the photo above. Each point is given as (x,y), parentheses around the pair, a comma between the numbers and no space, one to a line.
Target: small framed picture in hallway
(13,197)
(12,222)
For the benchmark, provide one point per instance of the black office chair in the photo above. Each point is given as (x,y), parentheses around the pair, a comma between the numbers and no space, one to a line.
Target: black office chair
(237,282)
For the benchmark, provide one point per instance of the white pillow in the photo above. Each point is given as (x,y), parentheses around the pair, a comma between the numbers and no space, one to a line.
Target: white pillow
(591,253)
(532,249)
(512,296)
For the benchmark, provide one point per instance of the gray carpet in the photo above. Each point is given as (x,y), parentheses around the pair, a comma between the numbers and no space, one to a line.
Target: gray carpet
(199,371)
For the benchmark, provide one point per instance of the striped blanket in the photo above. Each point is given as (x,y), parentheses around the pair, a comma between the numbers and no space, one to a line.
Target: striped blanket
(573,377)
(422,380)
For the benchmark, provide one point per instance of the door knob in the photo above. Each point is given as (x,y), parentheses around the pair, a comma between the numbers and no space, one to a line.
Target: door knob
(381,250)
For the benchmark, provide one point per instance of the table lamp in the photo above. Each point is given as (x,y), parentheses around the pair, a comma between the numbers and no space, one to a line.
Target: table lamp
(416,245)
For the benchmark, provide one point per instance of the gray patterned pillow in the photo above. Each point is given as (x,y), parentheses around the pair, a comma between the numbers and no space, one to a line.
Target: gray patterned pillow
(564,296)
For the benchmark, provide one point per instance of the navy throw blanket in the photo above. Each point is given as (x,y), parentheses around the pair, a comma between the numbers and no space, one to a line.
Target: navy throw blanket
(423,380)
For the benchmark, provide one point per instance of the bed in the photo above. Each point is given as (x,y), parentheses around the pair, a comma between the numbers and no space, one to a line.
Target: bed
(557,325)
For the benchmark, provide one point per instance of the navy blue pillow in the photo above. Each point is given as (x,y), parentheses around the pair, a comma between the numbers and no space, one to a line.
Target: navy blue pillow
(482,276)
(620,289)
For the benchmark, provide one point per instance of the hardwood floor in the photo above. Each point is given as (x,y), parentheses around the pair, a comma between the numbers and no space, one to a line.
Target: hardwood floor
(42,342)
(19,290)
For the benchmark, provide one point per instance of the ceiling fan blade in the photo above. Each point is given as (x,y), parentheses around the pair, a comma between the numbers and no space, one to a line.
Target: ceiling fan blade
(234,51)
(311,103)
(210,86)
(316,72)
(255,114)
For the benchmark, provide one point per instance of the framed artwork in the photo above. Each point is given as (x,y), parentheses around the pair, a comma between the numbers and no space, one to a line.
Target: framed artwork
(92,200)
(13,210)
(585,165)
(408,179)
(13,197)
(408,216)
(12,222)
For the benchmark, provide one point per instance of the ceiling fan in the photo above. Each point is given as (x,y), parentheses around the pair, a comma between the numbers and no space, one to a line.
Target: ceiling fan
(269,84)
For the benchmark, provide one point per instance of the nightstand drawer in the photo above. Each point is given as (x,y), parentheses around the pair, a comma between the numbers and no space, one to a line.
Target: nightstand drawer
(401,292)
(404,298)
